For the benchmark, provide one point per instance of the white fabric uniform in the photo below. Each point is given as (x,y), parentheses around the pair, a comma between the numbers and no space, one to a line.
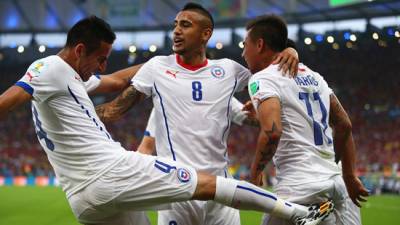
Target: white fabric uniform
(192,114)
(84,156)
(237,116)
(304,160)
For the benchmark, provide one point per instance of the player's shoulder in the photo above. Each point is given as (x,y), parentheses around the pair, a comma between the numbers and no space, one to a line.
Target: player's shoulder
(223,62)
(163,59)
(304,70)
(44,66)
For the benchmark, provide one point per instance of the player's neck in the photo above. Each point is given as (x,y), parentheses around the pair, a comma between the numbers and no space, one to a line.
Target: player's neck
(267,60)
(66,55)
(192,60)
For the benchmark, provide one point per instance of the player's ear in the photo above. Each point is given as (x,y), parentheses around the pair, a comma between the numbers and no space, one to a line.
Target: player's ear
(79,50)
(260,45)
(207,32)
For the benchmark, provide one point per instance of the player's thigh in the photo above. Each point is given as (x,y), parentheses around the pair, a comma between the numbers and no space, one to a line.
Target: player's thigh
(183,213)
(148,181)
(218,214)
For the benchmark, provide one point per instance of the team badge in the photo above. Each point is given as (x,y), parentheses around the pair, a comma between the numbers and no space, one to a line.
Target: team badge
(183,175)
(254,87)
(218,72)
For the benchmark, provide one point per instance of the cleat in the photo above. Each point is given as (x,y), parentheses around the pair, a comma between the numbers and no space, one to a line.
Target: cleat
(316,213)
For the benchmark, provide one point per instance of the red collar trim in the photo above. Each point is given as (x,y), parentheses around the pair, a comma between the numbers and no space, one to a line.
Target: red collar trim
(190,67)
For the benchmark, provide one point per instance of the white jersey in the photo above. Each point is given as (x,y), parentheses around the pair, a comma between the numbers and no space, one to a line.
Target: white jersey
(305,152)
(237,116)
(75,140)
(192,107)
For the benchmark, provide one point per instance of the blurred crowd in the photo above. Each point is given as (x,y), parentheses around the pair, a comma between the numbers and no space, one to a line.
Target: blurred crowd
(365,78)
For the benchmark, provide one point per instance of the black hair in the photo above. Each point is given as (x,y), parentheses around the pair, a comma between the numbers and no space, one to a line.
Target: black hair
(291,44)
(272,29)
(90,31)
(191,6)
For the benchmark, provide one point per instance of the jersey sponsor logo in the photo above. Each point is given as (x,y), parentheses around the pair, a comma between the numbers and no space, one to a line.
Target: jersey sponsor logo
(183,175)
(172,73)
(218,72)
(254,87)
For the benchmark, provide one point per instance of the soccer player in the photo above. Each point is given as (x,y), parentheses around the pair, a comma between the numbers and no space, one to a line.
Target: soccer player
(238,115)
(104,183)
(192,99)
(302,123)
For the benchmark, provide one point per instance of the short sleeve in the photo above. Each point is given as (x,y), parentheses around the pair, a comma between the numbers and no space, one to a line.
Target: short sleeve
(238,115)
(262,87)
(242,75)
(39,81)
(93,82)
(143,81)
(151,125)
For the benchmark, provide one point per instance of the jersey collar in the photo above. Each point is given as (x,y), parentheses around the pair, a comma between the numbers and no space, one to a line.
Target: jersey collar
(190,67)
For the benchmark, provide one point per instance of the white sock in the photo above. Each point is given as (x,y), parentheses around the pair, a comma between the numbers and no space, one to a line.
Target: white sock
(246,196)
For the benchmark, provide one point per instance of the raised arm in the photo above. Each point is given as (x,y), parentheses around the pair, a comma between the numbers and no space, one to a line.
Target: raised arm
(117,81)
(269,114)
(115,109)
(12,98)
(345,150)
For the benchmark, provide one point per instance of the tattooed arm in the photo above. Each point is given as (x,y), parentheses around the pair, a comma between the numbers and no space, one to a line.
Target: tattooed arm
(345,150)
(269,113)
(114,110)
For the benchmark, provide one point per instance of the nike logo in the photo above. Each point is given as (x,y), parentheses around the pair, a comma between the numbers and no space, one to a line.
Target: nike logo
(172,73)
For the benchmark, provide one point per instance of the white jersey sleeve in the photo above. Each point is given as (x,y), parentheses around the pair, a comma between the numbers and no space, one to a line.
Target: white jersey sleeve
(242,76)
(93,82)
(262,88)
(143,81)
(238,115)
(151,126)
(38,82)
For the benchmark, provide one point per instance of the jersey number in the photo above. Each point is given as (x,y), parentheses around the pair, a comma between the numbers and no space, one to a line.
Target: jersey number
(197,93)
(318,131)
(40,132)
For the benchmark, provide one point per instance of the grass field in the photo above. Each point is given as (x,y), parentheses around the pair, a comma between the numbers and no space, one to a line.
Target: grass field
(48,206)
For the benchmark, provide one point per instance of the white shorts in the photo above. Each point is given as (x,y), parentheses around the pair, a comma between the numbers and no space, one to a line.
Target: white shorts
(345,211)
(139,182)
(199,213)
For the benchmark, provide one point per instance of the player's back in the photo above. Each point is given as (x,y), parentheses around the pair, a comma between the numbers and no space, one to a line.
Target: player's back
(192,108)
(75,140)
(305,152)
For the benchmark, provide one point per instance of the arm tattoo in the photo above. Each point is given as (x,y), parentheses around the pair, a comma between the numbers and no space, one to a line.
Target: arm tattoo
(114,110)
(269,149)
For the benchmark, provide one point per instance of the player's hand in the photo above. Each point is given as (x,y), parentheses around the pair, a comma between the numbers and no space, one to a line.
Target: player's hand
(249,109)
(288,60)
(357,191)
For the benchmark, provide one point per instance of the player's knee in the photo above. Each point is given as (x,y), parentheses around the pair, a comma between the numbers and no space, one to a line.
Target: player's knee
(205,189)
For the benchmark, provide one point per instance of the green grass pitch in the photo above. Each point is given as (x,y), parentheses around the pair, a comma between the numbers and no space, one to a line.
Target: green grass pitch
(48,206)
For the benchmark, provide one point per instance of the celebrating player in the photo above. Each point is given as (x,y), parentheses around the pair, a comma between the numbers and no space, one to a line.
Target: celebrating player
(301,123)
(103,183)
